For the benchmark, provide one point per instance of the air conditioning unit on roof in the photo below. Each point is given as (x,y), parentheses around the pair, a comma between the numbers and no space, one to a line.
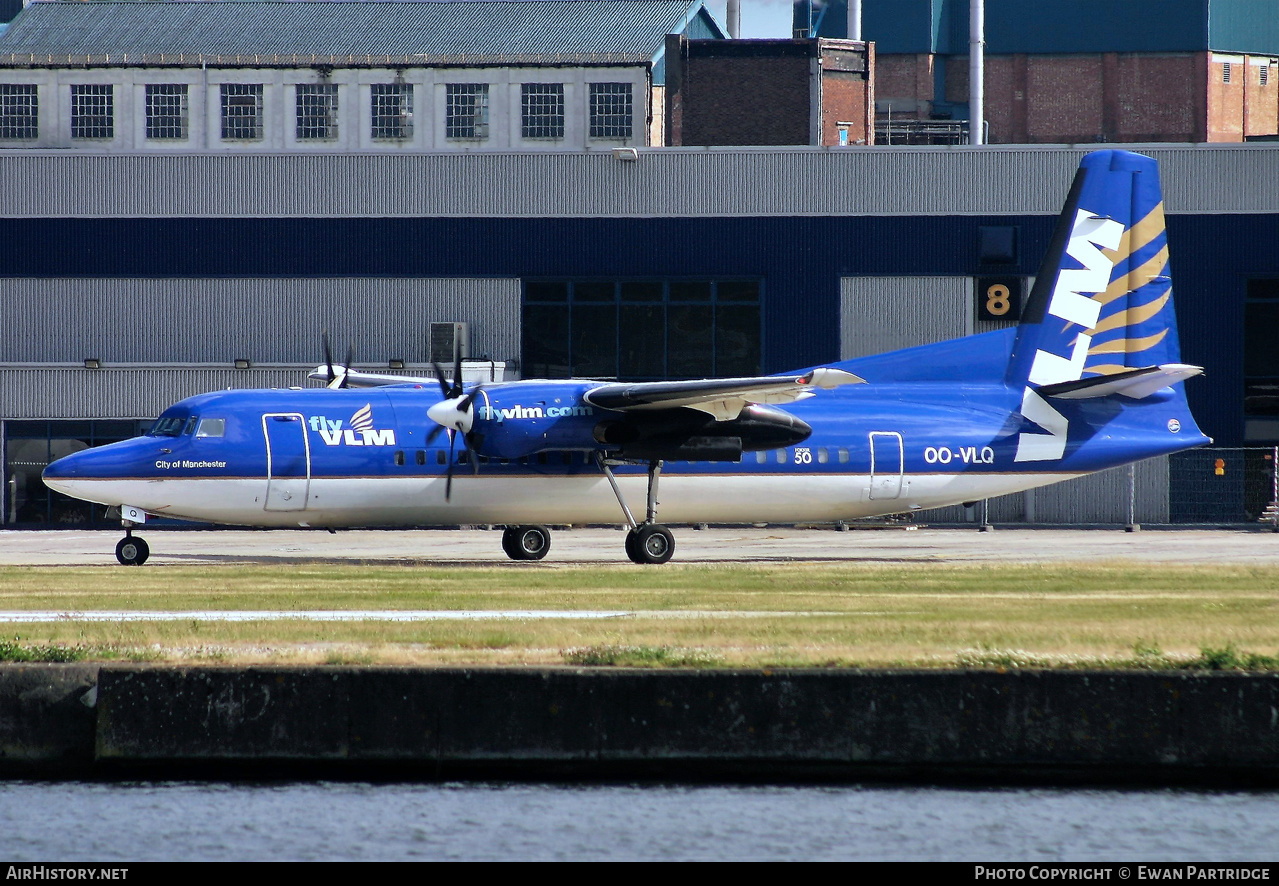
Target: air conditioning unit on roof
(449,342)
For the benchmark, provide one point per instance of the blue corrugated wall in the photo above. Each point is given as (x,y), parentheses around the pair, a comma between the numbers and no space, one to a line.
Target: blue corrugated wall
(799,259)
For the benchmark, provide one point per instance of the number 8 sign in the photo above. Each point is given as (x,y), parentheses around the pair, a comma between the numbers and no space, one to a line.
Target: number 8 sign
(999,298)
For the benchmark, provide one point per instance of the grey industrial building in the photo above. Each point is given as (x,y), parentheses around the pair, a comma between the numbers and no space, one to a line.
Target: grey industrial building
(128,281)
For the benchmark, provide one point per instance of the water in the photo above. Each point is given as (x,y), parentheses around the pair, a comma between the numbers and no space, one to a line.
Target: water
(140,821)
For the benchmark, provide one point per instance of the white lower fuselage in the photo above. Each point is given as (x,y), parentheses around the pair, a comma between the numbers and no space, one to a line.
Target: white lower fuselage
(684,497)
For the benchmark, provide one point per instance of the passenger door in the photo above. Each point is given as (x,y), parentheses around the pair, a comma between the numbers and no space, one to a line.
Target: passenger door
(288,461)
(887,464)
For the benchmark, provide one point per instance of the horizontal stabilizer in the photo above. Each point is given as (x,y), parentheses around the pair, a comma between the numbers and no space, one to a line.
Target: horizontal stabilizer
(1135,383)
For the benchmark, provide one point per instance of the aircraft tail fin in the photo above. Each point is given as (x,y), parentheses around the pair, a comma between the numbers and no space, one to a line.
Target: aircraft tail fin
(1102,300)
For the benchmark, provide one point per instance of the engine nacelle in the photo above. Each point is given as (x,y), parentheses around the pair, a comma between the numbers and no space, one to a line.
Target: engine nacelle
(512,422)
(689,435)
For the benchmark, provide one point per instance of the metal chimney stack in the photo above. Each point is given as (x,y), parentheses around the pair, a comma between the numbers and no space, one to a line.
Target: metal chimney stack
(734,19)
(854,19)
(976,71)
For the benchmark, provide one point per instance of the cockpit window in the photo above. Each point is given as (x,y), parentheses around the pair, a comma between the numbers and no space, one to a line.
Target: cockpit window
(168,427)
(211,427)
(190,425)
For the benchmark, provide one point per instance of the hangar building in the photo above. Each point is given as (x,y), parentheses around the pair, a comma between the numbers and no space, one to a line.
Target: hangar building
(130,280)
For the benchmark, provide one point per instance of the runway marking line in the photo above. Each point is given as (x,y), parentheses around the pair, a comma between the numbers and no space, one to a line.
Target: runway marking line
(391,615)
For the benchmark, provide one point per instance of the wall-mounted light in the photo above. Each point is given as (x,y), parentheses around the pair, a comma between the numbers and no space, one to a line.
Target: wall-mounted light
(627,154)
(395,364)
(242,364)
(92,363)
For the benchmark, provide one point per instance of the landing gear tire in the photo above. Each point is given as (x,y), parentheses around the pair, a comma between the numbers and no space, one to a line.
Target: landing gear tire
(526,542)
(650,543)
(132,551)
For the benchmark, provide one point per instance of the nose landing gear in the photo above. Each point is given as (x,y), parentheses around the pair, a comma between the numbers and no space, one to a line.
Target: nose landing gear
(131,550)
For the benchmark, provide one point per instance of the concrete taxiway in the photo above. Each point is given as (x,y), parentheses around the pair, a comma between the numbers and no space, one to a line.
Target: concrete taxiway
(481,547)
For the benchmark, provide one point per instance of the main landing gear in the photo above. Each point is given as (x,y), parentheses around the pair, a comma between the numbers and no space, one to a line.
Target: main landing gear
(131,550)
(647,542)
(526,542)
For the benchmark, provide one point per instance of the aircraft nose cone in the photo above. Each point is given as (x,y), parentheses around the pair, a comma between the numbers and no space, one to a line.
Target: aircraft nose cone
(58,473)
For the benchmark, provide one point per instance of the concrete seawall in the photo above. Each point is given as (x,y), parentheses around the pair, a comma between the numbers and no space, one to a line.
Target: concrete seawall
(1160,727)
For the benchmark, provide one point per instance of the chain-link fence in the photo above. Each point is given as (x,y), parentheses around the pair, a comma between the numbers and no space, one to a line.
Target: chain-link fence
(1224,485)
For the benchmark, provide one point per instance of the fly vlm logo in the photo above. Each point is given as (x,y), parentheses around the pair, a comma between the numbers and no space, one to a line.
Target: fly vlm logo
(500,414)
(360,433)
(1071,302)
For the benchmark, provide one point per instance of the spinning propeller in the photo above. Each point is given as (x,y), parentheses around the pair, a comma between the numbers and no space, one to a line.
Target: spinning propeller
(456,415)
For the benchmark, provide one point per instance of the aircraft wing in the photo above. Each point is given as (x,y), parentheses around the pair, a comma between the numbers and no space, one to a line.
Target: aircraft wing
(721,398)
(357,379)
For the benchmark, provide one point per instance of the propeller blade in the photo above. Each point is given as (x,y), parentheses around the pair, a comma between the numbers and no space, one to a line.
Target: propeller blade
(433,433)
(457,373)
(328,356)
(346,374)
(474,459)
(448,474)
(439,376)
(465,402)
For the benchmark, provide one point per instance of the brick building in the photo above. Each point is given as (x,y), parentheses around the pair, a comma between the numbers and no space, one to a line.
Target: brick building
(1075,71)
(769,92)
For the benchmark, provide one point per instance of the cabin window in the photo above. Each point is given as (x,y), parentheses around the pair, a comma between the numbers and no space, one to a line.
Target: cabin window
(399,457)
(420,456)
(211,427)
(761,457)
(781,456)
(190,428)
(440,457)
(823,455)
(843,456)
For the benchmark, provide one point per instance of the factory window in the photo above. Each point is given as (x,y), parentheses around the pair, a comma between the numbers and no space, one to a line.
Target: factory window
(543,110)
(1263,73)
(641,329)
(466,110)
(610,110)
(167,110)
(19,111)
(1261,361)
(393,110)
(242,111)
(1225,72)
(317,111)
(93,111)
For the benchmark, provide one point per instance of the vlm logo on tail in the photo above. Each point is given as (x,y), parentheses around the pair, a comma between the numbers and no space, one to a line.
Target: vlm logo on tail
(360,433)
(1114,212)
